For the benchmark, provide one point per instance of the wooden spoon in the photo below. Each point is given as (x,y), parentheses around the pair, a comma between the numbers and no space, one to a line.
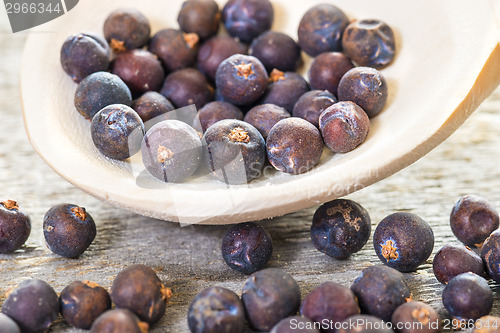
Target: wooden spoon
(448,62)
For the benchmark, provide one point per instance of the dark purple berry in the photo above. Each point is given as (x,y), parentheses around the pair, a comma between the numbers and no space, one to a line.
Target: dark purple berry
(83,54)
(126,29)
(327,69)
(329,302)
(175,48)
(369,43)
(265,116)
(366,87)
(241,79)
(468,296)
(8,325)
(99,90)
(139,69)
(201,17)
(117,131)
(490,253)
(187,86)
(295,324)
(284,89)
(137,288)
(403,241)
(247,247)
(216,50)
(276,50)
(216,310)
(214,111)
(68,230)
(452,260)
(82,302)
(171,150)
(321,28)
(247,19)
(152,105)
(344,126)
(294,145)
(15,226)
(33,305)
(340,227)
(312,104)
(268,296)
(416,317)
(363,323)
(118,321)
(235,151)
(380,290)
(473,219)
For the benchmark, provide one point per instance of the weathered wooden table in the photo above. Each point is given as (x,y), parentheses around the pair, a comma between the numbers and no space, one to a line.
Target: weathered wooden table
(188,258)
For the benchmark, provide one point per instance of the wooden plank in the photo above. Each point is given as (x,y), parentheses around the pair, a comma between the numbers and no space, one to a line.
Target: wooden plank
(188,258)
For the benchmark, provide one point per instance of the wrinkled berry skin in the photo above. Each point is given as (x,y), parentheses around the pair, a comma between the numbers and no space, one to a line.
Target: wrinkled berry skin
(490,253)
(187,86)
(140,70)
(33,305)
(201,17)
(473,219)
(241,79)
(247,247)
(403,241)
(15,227)
(369,43)
(363,323)
(150,106)
(235,151)
(126,29)
(329,301)
(216,310)
(321,28)
(416,317)
(284,89)
(83,54)
(137,288)
(99,90)
(340,227)
(290,325)
(327,69)
(8,325)
(174,48)
(344,126)
(380,290)
(214,111)
(68,229)
(268,296)
(366,87)
(117,131)
(247,19)
(118,321)
(468,296)
(265,116)
(171,150)
(452,260)
(276,50)
(311,104)
(294,145)
(82,302)
(216,50)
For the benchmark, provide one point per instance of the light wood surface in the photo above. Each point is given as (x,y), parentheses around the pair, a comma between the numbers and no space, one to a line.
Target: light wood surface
(448,62)
(188,259)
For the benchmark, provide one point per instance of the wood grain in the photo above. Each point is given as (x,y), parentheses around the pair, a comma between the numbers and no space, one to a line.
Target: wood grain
(187,258)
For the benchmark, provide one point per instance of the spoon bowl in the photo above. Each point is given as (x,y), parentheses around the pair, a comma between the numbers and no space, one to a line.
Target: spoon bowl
(447,63)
